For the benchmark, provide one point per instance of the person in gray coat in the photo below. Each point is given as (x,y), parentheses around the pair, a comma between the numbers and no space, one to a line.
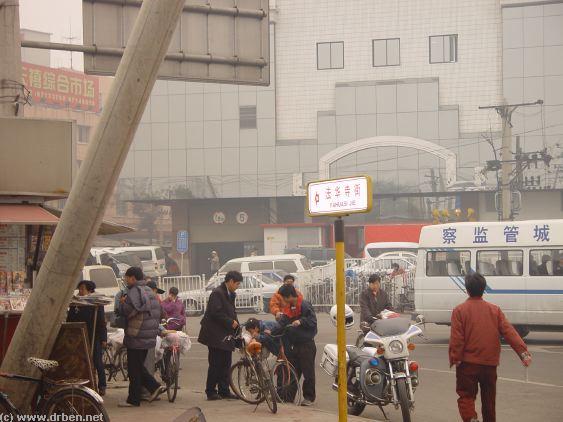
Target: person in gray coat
(142,311)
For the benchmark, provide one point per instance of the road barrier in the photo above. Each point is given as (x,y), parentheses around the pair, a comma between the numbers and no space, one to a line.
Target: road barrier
(195,303)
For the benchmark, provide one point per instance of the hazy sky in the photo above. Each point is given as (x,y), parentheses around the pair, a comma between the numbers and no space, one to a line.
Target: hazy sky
(61,18)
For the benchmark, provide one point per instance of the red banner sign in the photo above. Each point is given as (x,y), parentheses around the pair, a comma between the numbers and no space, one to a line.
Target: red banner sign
(62,88)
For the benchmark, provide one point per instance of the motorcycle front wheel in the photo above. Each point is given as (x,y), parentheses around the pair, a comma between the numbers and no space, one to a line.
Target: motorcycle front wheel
(402,392)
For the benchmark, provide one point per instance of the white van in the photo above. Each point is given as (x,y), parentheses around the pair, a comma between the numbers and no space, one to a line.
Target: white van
(373,250)
(295,264)
(521,260)
(152,258)
(106,283)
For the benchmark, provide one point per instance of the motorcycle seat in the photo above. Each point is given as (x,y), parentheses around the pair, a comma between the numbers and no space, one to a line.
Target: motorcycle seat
(354,353)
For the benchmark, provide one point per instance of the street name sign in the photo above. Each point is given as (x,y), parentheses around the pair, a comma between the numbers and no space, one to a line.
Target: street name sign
(337,197)
(215,40)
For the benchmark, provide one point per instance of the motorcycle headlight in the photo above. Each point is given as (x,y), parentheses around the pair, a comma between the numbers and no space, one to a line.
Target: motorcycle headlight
(396,346)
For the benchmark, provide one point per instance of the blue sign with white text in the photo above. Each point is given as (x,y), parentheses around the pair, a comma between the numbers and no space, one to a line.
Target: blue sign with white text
(182,241)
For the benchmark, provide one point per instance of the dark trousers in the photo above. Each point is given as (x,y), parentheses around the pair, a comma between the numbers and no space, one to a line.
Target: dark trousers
(99,365)
(218,371)
(139,377)
(470,377)
(302,357)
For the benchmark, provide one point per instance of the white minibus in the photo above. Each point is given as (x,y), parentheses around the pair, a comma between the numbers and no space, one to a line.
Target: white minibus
(521,260)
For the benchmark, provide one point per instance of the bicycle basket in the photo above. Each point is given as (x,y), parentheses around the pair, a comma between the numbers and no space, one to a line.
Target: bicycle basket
(254,348)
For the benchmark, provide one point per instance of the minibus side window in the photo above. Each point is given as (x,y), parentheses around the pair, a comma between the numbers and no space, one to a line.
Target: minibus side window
(546,262)
(500,263)
(450,263)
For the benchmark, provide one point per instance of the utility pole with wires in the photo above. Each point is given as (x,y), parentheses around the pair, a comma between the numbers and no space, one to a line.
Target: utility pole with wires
(70,39)
(505,112)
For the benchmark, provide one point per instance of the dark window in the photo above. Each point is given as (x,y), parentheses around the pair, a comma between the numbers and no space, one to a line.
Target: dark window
(500,263)
(159,253)
(145,255)
(287,266)
(230,266)
(448,263)
(247,117)
(260,266)
(330,55)
(443,48)
(386,52)
(103,277)
(546,262)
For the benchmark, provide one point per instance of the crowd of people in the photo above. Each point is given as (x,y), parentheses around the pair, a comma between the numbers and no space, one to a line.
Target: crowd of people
(474,347)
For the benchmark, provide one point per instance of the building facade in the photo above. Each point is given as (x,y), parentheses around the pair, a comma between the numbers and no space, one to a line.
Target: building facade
(391,89)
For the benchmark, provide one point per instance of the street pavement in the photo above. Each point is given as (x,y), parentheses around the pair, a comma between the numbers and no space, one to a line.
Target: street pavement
(522,395)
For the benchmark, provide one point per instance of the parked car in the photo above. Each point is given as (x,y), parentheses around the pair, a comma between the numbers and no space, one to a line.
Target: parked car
(107,284)
(373,250)
(317,255)
(295,264)
(152,257)
(123,260)
(254,287)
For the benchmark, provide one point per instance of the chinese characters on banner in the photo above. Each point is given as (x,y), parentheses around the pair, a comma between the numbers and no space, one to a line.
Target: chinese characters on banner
(62,88)
(540,233)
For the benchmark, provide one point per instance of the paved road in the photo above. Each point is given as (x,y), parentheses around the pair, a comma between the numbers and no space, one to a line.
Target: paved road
(537,396)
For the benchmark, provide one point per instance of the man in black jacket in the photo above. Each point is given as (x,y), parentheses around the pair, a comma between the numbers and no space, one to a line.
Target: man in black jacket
(300,316)
(373,300)
(219,321)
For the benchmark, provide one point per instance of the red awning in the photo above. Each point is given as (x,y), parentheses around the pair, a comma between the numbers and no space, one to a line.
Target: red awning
(26,214)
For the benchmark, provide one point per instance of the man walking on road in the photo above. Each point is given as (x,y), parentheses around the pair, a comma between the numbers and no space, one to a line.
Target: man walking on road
(373,300)
(141,308)
(477,326)
(299,314)
(220,321)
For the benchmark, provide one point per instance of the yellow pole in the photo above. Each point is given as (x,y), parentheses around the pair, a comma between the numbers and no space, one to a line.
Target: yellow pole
(340,320)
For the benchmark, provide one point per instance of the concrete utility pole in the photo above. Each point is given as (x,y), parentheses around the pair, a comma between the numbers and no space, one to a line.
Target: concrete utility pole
(82,215)
(505,112)
(11,92)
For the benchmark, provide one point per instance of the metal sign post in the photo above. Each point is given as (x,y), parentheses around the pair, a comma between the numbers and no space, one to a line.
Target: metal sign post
(340,197)
(182,247)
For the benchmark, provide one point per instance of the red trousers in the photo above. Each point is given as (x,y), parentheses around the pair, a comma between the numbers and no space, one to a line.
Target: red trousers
(469,377)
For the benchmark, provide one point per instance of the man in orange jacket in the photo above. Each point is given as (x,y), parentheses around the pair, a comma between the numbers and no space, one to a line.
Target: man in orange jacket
(477,326)
(277,304)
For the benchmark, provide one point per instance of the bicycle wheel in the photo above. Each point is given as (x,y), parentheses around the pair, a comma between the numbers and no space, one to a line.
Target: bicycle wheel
(76,402)
(267,387)
(286,382)
(172,369)
(109,367)
(123,364)
(244,382)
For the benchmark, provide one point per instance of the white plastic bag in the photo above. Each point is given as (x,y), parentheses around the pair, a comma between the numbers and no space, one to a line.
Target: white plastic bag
(158,349)
(116,337)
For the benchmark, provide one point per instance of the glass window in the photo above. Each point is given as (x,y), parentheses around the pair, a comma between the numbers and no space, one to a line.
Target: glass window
(546,262)
(83,134)
(386,52)
(330,55)
(103,277)
(306,264)
(230,266)
(448,263)
(159,253)
(247,117)
(289,266)
(260,266)
(145,255)
(500,263)
(443,48)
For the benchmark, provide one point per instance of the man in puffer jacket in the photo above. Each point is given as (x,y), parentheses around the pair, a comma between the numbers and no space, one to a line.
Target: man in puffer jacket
(142,310)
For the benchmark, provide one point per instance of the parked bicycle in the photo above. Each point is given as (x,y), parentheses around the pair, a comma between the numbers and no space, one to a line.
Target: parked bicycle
(169,365)
(248,379)
(64,398)
(115,361)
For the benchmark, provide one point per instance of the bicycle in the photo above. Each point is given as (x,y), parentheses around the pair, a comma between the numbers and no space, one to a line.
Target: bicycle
(247,377)
(169,365)
(115,361)
(68,397)
(284,376)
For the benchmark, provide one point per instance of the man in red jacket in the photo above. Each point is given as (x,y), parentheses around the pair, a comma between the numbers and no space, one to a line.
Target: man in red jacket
(477,326)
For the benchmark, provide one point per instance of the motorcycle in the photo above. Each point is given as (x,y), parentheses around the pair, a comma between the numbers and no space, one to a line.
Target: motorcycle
(379,372)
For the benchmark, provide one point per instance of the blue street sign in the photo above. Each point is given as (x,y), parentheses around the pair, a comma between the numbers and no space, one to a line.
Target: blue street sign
(182,241)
